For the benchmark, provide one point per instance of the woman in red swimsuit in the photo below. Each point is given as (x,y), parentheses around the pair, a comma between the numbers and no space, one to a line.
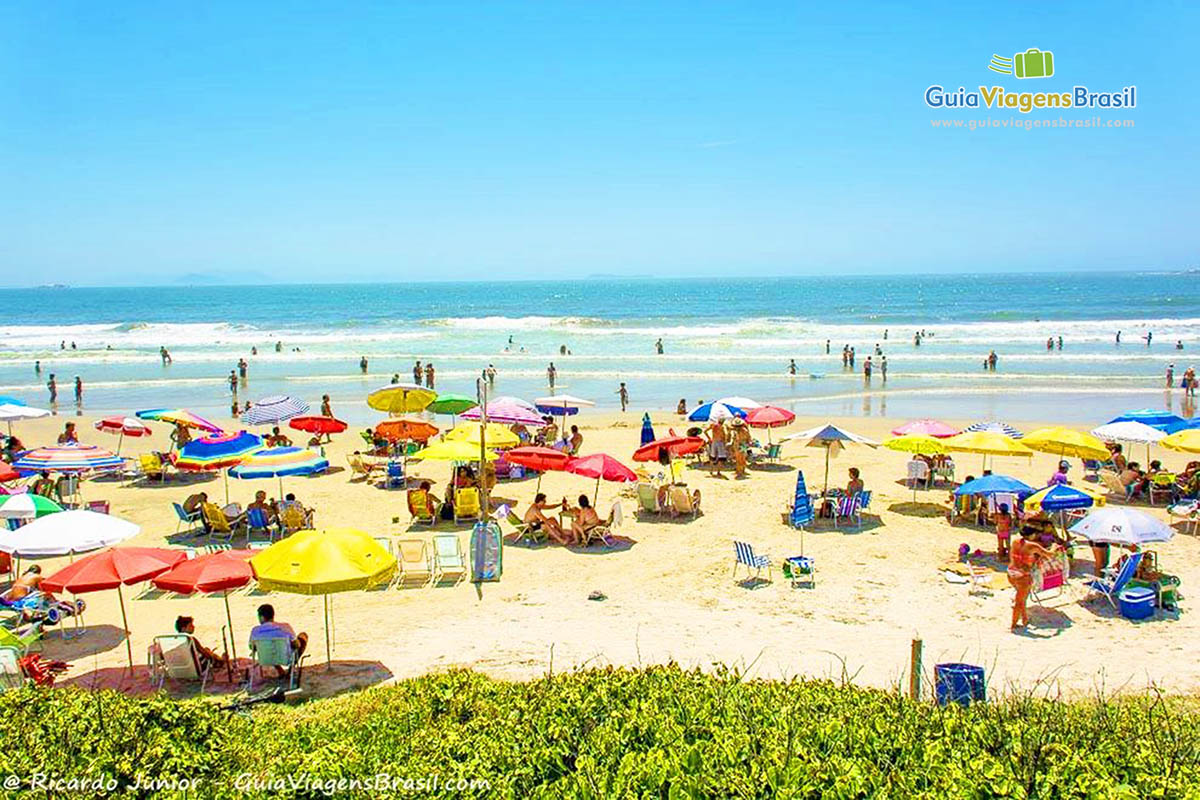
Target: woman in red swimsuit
(1025,553)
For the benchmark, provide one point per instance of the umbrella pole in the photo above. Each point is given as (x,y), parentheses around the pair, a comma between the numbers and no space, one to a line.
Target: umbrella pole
(328,644)
(121,439)
(125,624)
(229,619)
(826,490)
(225,473)
(596,494)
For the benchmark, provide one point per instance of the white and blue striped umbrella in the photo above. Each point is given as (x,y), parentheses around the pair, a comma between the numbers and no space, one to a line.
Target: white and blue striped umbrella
(711,412)
(274,410)
(1002,428)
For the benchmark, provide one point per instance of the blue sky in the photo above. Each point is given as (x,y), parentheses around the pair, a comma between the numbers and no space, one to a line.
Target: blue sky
(355,141)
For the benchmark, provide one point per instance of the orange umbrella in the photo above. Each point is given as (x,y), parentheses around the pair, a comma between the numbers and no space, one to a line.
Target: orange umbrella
(402,428)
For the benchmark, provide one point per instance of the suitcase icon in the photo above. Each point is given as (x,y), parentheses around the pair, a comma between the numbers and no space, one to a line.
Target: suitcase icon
(1034,63)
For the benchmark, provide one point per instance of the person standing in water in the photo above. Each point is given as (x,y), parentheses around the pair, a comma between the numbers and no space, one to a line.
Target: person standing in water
(78,392)
(1170,376)
(551,374)
(658,346)
(362,365)
(792,367)
(417,372)
(429,375)
(883,368)
(52,386)
(623,393)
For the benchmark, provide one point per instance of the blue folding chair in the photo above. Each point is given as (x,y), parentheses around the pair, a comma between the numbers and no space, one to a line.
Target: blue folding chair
(395,474)
(1114,581)
(192,520)
(256,520)
(744,555)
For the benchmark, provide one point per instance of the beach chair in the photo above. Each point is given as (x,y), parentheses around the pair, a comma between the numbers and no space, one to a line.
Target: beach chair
(849,508)
(1188,512)
(684,502)
(291,520)
(1113,581)
(1112,482)
(99,506)
(395,474)
(918,472)
(962,507)
(192,520)
(256,520)
(602,532)
(368,438)
(448,557)
(1091,468)
(1050,578)
(67,489)
(22,640)
(998,499)
(413,555)
(418,507)
(744,555)
(271,652)
(1162,484)
(174,657)
(218,523)
(525,530)
(648,498)
(360,467)
(11,675)
(466,503)
(801,513)
(152,467)
(771,456)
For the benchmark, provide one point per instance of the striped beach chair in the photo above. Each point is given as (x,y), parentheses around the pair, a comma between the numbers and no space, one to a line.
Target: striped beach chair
(744,555)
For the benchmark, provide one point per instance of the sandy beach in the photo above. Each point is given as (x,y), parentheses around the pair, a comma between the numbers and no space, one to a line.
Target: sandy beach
(669,586)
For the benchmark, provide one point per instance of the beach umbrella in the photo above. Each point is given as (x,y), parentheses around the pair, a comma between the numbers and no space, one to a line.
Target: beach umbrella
(7,473)
(179,416)
(993,484)
(26,506)
(122,427)
(6,400)
(744,403)
(494,435)
(1121,525)
(561,405)
(279,462)
(711,412)
(601,466)
(1002,428)
(508,410)
(830,437)
(926,427)
(1185,441)
(274,409)
(917,444)
(539,459)
(668,447)
(986,443)
(111,568)
(209,573)
(212,453)
(1164,421)
(1066,443)
(647,429)
(769,417)
(1061,497)
(399,429)
(452,404)
(12,412)
(1130,431)
(66,533)
(451,451)
(317,424)
(401,398)
(324,562)
(69,458)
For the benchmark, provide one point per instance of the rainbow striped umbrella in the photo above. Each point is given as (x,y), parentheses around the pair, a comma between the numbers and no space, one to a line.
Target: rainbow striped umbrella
(180,416)
(69,458)
(276,462)
(217,452)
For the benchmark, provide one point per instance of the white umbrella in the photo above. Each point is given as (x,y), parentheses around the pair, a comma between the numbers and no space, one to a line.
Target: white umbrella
(1123,526)
(744,403)
(10,413)
(832,438)
(1130,431)
(65,533)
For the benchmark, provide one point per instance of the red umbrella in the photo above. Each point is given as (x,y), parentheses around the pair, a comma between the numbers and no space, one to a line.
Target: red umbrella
(123,426)
(672,445)
(317,424)
(601,465)
(110,568)
(214,572)
(541,459)
(7,473)
(769,417)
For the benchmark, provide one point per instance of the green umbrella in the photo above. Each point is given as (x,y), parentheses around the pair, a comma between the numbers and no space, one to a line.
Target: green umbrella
(26,506)
(452,404)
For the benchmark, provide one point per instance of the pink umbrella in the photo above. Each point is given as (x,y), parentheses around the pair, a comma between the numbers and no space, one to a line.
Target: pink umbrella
(507,411)
(769,417)
(123,426)
(601,465)
(926,427)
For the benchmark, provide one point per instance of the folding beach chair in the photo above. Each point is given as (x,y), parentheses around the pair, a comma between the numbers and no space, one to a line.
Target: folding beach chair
(1050,578)
(395,474)
(152,467)
(1161,485)
(271,652)
(174,656)
(800,571)
(918,472)
(525,530)
(448,557)
(744,555)
(291,520)
(648,498)
(601,532)
(849,508)
(1188,512)
(256,520)
(11,676)
(685,502)
(418,507)
(1113,581)
(21,640)
(192,520)
(1112,482)
(413,555)
(466,503)
(218,523)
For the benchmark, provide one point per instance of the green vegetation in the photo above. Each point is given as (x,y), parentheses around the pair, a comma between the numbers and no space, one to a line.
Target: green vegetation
(659,732)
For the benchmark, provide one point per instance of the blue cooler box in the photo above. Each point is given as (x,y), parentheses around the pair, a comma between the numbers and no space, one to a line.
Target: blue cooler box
(1137,603)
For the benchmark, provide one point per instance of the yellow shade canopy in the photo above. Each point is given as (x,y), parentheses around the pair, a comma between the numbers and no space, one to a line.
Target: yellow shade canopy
(452,451)
(496,435)
(323,562)
(916,443)
(1187,441)
(1066,443)
(988,443)
(401,398)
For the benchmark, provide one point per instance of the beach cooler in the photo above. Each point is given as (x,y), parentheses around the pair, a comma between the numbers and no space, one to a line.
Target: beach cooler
(959,683)
(1137,603)
(800,570)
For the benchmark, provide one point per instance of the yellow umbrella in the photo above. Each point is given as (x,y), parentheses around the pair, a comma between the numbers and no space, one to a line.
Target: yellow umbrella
(916,443)
(1186,441)
(1066,443)
(452,451)
(324,562)
(497,435)
(986,443)
(401,398)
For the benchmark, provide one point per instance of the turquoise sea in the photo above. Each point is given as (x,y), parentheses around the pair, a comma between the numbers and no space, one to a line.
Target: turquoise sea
(721,337)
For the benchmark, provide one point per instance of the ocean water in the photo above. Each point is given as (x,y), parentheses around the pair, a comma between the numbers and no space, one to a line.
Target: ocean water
(721,337)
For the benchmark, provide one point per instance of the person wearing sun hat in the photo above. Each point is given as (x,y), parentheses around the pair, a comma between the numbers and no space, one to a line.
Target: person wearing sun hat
(740,439)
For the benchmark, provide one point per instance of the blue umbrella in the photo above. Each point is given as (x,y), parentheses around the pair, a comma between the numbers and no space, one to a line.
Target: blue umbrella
(274,409)
(647,430)
(991,484)
(715,411)
(1002,428)
(1161,420)
(1061,497)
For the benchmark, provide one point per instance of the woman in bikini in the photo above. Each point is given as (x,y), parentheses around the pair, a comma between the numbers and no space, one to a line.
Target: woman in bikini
(1025,553)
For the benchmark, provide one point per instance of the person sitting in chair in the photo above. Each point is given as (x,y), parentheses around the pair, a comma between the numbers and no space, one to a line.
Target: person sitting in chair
(585,519)
(290,502)
(68,436)
(537,519)
(204,656)
(268,628)
(260,503)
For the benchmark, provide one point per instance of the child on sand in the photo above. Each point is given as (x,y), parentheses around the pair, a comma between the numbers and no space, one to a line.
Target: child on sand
(1003,521)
